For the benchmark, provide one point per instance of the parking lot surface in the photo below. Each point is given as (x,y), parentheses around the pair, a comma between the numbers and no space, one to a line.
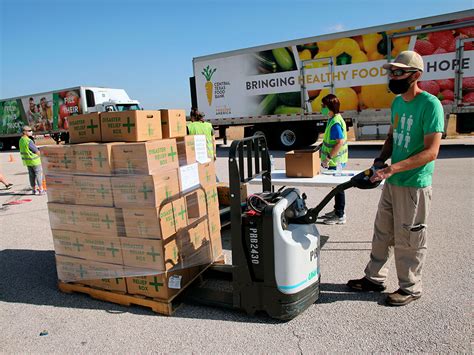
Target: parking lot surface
(341,321)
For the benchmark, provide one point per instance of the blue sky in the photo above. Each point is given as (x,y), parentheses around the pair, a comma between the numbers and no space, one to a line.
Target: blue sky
(147,47)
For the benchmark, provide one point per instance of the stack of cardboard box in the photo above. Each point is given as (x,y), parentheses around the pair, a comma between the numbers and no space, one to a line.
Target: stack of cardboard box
(138,214)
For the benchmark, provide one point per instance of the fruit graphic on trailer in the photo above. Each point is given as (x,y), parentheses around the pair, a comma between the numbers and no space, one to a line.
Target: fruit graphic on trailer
(446,84)
(443,39)
(424,47)
(208,72)
(430,86)
(71,99)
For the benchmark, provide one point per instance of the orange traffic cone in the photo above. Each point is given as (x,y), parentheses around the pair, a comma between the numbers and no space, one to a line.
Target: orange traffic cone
(44,185)
(11,159)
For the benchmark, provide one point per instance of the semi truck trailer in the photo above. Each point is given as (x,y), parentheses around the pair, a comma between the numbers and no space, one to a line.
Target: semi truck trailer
(276,89)
(48,112)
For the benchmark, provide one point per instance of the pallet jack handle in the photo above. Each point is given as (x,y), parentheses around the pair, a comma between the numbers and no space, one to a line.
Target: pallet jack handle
(360,181)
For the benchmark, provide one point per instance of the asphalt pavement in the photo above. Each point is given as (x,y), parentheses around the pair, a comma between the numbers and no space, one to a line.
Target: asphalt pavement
(37,317)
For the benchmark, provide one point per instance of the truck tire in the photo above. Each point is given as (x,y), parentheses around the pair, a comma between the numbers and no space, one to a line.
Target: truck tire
(294,136)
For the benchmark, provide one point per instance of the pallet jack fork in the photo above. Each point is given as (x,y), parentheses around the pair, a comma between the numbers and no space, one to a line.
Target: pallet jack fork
(266,250)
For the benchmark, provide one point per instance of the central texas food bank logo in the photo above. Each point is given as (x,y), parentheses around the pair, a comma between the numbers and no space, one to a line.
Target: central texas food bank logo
(208,72)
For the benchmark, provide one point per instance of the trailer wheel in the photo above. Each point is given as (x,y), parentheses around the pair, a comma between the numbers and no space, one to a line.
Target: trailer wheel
(288,138)
(295,136)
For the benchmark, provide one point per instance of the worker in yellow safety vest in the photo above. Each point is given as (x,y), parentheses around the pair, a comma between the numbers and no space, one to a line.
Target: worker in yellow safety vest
(30,155)
(334,153)
(199,126)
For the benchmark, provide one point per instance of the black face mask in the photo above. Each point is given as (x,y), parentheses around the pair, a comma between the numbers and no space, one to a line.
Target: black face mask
(399,86)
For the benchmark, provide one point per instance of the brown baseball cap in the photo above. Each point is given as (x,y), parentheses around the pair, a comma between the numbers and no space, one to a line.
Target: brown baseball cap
(405,60)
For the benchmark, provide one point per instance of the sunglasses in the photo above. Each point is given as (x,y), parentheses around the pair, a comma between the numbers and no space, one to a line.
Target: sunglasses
(400,72)
(28,130)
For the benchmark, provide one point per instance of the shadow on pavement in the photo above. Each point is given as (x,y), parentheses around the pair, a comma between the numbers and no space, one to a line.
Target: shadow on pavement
(29,277)
(340,292)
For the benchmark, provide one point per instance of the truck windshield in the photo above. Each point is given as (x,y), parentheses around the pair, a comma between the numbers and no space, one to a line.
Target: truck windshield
(128,107)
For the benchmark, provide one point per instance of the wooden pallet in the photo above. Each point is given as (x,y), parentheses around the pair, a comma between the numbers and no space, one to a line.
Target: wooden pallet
(165,307)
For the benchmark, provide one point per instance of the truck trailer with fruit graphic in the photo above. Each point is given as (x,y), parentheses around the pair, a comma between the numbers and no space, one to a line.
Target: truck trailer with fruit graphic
(276,89)
(48,112)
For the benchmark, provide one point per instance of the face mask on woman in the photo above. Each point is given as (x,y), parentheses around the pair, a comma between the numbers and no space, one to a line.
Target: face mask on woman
(325,111)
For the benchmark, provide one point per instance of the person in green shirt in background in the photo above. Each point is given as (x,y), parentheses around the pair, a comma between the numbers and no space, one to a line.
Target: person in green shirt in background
(30,155)
(199,126)
(401,223)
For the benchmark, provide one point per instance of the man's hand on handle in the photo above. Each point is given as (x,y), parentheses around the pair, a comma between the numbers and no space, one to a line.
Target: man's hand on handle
(381,170)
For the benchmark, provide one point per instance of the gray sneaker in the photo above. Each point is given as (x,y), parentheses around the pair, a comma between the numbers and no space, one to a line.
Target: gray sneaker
(335,220)
(330,214)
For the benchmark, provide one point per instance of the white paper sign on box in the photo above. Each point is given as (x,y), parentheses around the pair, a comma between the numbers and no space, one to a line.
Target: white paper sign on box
(174,282)
(200,148)
(189,177)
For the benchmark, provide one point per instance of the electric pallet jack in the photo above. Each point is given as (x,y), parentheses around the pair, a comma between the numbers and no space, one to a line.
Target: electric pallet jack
(275,243)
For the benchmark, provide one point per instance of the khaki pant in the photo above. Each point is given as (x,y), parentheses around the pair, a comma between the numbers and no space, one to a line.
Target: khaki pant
(400,228)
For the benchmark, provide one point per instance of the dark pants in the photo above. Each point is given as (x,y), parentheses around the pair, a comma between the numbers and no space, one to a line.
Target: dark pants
(36,176)
(340,203)
(339,200)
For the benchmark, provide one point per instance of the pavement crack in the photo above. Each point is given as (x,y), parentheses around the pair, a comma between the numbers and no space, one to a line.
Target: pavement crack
(299,341)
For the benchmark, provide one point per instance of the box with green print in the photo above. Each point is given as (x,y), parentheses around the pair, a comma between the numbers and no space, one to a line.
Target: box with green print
(93,190)
(145,158)
(104,221)
(155,222)
(58,159)
(164,285)
(87,246)
(130,126)
(84,128)
(91,273)
(145,190)
(94,158)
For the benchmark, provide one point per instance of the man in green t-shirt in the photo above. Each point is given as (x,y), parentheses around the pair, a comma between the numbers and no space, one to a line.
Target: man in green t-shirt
(413,145)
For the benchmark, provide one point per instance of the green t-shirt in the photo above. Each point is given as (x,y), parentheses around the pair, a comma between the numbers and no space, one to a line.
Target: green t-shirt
(411,121)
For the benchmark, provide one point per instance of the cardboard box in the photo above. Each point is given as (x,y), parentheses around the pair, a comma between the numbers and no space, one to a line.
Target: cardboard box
(216,246)
(302,163)
(180,213)
(173,123)
(94,158)
(164,285)
(60,188)
(116,284)
(212,200)
(84,128)
(87,246)
(93,190)
(92,273)
(150,254)
(201,202)
(186,150)
(149,223)
(214,221)
(145,190)
(104,221)
(195,247)
(195,205)
(145,158)
(130,126)
(58,159)
(207,174)
(223,193)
